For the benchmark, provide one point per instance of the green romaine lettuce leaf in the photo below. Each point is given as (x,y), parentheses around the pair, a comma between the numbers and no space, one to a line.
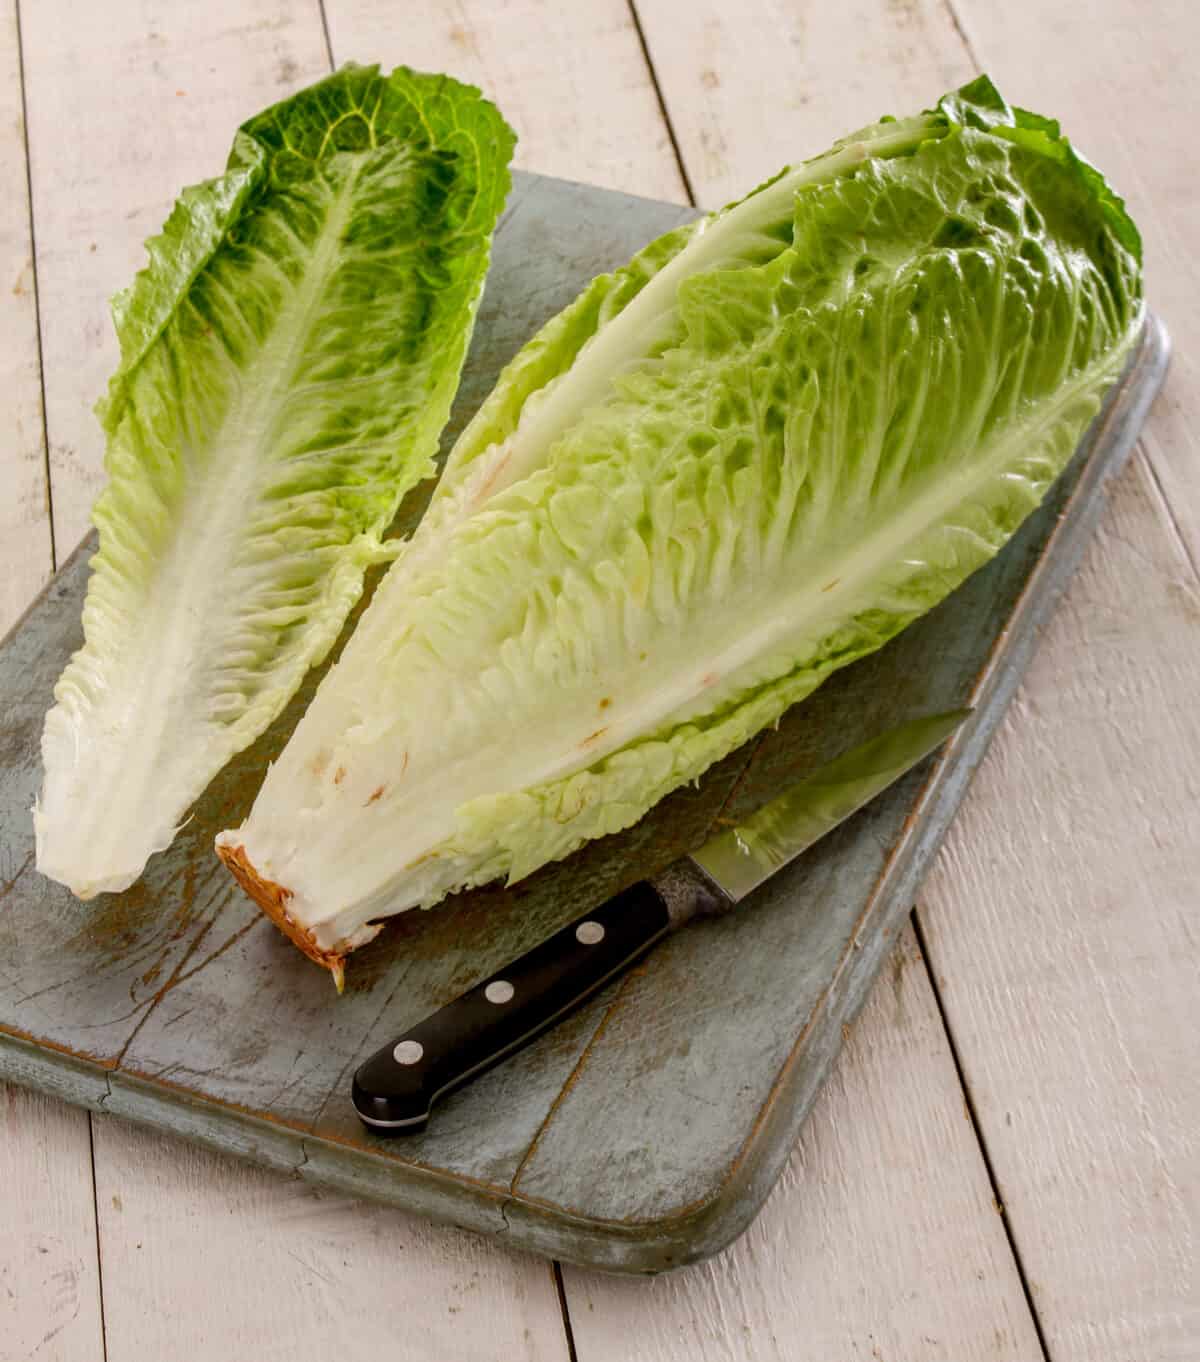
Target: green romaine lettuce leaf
(288,360)
(775,440)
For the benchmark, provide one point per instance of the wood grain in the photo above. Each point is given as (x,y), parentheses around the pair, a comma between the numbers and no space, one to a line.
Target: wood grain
(880,1240)
(49,1282)
(241,1263)
(1120,77)
(571,79)
(49,1278)
(1061,923)
(24,506)
(751,87)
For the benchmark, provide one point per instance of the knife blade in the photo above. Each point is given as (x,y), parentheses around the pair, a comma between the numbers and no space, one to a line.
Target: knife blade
(393,1092)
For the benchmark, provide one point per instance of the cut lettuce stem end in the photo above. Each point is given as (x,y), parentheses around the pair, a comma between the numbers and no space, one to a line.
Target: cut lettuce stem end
(273,900)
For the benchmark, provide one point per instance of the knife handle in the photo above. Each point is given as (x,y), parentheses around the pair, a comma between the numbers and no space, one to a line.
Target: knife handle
(395,1089)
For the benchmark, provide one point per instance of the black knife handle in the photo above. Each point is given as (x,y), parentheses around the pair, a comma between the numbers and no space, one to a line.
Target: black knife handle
(395,1089)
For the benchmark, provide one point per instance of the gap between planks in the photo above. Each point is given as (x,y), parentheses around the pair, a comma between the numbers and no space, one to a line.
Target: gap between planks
(96,1226)
(663,111)
(49,1275)
(977,1127)
(37,307)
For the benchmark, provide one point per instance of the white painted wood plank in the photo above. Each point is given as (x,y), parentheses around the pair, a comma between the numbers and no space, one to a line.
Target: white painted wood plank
(750,87)
(49,1281)
(880,1241)
(241,1263)
(1120,78)
(126,105)
(1061,920)
(571,79)
(25,556)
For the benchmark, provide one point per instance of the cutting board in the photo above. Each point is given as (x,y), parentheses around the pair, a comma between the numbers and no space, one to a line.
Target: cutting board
(646,1131)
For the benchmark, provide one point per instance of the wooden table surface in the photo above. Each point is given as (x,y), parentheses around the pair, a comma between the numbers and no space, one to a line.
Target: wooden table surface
(1004,1164)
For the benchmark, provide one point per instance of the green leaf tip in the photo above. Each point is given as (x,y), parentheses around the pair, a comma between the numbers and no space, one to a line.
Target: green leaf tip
(354,109)
(980,105)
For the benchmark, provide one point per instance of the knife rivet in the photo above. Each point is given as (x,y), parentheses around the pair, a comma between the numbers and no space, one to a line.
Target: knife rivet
(589,933)
(409,1052)
(499,991)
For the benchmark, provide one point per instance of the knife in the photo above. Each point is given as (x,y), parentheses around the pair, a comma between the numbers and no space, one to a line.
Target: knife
(394,1091)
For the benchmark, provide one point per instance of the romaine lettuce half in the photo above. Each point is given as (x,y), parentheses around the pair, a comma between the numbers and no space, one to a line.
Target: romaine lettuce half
(755,454)
(288,360)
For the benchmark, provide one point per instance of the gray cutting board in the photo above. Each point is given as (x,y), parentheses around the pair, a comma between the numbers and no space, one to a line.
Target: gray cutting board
(647,1130)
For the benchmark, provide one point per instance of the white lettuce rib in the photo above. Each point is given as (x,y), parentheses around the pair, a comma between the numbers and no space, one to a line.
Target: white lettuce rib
(120,773)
